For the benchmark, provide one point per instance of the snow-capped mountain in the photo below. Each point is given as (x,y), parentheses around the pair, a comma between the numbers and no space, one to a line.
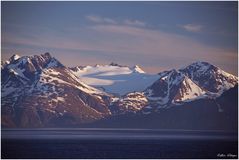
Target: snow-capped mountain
(137,69)
(173,87)
(114,78)
(210,77)
(40,91)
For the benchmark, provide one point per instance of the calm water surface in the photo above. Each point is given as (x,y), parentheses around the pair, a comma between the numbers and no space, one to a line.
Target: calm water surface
(117,143)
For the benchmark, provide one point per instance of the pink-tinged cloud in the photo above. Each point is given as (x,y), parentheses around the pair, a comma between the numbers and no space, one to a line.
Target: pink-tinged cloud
(158,43)
(131,45)
(192,27)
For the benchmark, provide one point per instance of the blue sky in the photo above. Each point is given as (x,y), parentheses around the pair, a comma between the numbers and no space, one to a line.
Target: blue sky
(156,35)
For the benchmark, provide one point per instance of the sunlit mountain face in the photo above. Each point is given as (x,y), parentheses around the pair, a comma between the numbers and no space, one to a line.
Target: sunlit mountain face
(39,91)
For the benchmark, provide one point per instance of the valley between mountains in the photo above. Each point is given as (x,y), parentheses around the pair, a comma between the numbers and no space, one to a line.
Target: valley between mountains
(39,91)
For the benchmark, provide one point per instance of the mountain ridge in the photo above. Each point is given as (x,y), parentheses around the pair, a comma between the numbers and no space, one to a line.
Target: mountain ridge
(39,91)
(46,91)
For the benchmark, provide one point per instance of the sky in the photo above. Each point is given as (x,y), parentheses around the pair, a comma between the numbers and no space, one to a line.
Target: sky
(155,35)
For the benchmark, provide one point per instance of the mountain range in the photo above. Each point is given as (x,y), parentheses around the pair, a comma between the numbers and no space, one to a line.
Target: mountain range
(39,91)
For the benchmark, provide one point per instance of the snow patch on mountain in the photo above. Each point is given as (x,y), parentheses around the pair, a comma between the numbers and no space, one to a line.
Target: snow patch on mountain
(210,77)
(115,78)
(102,70)
(189,91)
(15,57)
(53,77)
(53,62)
(173,87)
(132,102)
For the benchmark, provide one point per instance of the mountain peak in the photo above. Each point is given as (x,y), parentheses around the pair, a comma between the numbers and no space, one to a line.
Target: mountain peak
(174,87)
(201,63)
(26,67)
(198,65)
(114,64)
(47,54)
(137,69)
(210,77)
(14,57)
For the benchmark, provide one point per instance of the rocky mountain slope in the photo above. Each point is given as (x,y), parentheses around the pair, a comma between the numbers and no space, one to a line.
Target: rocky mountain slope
(201,114)
(209,77)
(177,87)
(40,91)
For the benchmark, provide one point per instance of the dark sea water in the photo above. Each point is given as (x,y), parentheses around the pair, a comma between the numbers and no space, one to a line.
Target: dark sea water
(117,143)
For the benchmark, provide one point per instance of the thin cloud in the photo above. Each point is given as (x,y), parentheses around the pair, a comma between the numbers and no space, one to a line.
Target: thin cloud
(192,27)
(94,18)
(106,20)
(98,19)
(134,23)
(156,43)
